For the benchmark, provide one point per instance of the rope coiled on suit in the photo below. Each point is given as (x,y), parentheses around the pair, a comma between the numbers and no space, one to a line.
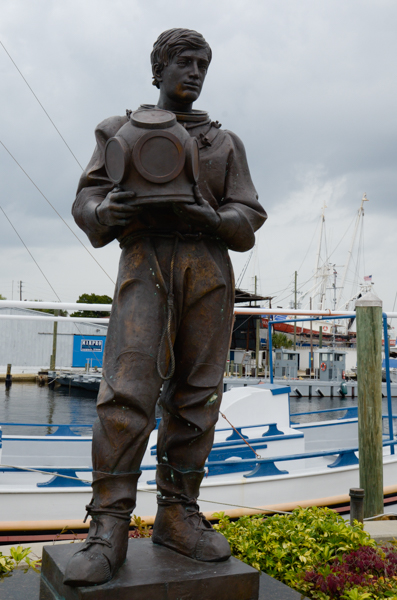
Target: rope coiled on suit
(166,335)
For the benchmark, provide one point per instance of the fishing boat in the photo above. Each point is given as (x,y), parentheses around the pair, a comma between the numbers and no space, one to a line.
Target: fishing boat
(260,460)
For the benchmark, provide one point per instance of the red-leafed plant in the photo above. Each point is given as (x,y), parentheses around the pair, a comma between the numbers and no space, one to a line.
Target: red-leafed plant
(367,572)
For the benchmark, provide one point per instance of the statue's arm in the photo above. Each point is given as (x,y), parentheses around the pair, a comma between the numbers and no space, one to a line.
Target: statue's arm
(240,212)
(94,185)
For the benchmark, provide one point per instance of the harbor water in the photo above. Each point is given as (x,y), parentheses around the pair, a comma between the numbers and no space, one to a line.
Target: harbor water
(30,404)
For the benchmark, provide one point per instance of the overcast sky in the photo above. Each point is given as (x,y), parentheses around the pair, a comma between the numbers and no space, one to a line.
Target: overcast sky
(309,86)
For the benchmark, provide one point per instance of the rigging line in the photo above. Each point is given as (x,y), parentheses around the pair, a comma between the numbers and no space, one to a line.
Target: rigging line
(244,269)
(343,236)
(265,510)
(239,434)
(52,122)
(31,255)
(326,245)
(241,324)
(310,245)
(55,210)
(31,470)
(363,243)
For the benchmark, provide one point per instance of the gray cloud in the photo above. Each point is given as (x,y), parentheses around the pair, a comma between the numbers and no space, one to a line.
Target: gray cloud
(308,86)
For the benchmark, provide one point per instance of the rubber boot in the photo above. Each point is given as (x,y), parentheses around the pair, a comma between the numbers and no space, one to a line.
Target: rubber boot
(179,524)
(105,548)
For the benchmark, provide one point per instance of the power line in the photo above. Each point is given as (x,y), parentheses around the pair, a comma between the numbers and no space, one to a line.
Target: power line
(54,209)
(38,266)
(52,122)
(31,255)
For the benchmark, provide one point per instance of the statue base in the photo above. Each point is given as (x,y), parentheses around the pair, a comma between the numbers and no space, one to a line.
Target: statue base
(152,572)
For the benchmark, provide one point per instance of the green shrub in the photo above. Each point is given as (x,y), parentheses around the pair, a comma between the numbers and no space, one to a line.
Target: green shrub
(286,546)
(9,562)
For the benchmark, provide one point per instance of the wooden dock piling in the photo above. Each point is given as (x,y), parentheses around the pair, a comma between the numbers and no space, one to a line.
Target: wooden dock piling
(53,359)
(369,378)
(8,377)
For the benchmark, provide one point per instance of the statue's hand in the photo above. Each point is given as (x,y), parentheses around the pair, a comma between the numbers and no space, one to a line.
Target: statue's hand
(200,213)
(116,209)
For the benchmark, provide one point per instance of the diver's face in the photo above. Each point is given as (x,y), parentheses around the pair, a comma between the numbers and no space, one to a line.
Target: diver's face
(182,80)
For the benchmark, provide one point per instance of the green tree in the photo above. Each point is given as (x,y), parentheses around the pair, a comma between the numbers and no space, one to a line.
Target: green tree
(280,340)
(2,297)
(92,299)
(50,311)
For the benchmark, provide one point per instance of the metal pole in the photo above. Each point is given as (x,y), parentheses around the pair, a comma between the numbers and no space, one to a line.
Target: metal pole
(334,324)
(296,277)
(269,335)
(257,336)
(388,386)
(369,388)
(8,377)
(267,341)
(311,343)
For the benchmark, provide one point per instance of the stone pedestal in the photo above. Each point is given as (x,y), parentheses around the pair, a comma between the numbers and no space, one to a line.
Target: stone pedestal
(152,572)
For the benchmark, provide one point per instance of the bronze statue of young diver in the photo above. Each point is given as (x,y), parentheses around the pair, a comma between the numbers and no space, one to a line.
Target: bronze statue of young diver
(175,283)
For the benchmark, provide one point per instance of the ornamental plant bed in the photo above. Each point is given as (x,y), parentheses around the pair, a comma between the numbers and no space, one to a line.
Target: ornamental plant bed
(316,552)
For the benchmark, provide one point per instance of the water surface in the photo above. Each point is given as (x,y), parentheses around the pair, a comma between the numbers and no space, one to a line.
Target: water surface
(28,403)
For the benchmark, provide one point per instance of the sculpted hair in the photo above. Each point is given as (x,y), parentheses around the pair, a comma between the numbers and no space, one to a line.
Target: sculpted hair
(172,42)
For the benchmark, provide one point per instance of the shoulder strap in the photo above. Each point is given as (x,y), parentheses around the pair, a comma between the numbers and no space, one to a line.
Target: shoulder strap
(206,139)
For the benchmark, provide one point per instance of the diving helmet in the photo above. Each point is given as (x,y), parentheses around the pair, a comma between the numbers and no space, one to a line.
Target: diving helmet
(153,156)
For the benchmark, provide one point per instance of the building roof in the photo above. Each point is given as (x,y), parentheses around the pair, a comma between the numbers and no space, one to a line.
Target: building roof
(243,296)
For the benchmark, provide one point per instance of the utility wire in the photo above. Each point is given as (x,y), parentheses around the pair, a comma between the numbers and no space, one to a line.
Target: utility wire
(298,290)
(38,266)
(31,255)
(52,122)
(55,210)
(66,144)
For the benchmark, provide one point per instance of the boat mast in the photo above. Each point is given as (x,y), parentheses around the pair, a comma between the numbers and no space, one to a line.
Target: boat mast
(349,255)
(317,264)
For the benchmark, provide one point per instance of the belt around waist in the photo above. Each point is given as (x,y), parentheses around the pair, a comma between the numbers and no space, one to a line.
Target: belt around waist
(188,237)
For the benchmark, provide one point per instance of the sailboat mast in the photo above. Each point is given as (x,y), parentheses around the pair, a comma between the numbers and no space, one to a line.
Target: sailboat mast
(317,264)
(349,255)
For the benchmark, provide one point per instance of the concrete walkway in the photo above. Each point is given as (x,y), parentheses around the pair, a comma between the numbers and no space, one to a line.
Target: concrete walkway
(382,531)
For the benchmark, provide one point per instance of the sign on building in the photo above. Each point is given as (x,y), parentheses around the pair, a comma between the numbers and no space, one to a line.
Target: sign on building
(88,348)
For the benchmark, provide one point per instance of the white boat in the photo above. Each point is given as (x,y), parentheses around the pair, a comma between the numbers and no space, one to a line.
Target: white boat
(306,464)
